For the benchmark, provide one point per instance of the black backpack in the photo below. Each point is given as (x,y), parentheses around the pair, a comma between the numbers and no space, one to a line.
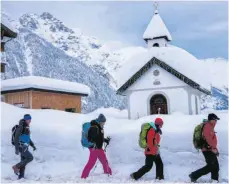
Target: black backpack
(13,134)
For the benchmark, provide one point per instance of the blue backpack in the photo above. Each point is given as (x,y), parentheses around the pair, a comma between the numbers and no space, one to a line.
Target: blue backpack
(84,137)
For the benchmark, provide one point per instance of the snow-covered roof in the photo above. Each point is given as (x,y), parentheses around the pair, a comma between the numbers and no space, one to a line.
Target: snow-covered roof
(156,28)
(44,83)
(175,57)
(5,20)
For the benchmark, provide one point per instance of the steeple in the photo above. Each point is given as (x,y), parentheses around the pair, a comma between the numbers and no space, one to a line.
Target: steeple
(156,33)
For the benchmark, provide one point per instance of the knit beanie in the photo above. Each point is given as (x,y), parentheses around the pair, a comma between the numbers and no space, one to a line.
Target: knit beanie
(101,118)
(27,117)
(158,121)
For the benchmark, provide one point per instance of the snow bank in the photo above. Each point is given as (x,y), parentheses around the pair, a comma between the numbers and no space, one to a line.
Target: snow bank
(111,112)
(60,157)
(44,83)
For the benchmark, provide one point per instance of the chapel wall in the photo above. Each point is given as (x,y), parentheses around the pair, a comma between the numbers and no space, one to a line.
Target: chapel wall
(156,77)
(139,101)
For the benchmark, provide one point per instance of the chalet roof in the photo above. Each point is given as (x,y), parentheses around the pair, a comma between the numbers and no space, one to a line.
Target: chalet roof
(5,31)
(45,84)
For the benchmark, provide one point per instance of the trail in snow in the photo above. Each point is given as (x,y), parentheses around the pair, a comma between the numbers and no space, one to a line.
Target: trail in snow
(61,158)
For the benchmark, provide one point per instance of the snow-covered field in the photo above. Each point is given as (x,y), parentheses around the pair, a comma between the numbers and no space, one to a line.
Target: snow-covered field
(61,158)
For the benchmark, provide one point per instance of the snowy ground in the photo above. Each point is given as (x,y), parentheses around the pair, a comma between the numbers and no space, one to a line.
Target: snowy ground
(61,158)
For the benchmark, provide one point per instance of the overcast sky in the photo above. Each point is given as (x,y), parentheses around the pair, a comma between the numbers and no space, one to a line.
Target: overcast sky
(199,27)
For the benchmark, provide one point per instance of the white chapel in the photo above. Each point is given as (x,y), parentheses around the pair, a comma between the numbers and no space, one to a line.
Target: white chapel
(163,79)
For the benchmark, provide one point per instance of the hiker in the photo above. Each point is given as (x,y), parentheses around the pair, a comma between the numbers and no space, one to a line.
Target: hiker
(152,153)
(96,137)
(209,150)
(22,141)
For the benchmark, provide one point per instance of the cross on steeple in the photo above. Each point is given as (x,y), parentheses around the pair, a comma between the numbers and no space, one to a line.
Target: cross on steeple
(156,33)
(155,4)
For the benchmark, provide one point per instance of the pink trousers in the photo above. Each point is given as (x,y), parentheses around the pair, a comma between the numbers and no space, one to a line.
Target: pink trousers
(94,154)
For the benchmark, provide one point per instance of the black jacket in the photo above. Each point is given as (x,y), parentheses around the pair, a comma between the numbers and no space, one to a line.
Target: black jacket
(23,128)
(95,134)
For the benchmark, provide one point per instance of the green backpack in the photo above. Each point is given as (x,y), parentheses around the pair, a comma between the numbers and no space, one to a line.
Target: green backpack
(198,139)
(143,135)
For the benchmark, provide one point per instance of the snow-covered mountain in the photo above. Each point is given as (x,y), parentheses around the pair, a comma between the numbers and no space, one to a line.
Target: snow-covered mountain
(103,58)
(47,47)
(218,69)
(30,54)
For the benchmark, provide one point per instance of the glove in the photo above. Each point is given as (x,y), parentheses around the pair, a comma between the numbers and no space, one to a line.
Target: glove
(107,140)
(17,152)
(216,152)
(34,148)
(208,147)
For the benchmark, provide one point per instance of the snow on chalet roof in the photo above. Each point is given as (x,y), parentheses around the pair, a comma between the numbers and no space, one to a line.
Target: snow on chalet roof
(6,21)
(45,84)
(156,28)
(175,57)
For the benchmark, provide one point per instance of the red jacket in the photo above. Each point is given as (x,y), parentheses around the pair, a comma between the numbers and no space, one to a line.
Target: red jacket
(210,136)
(153,140)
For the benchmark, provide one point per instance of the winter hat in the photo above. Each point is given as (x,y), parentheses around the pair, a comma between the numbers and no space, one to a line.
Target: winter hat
(158,121)
(101,118)
(212,117)
(27,117)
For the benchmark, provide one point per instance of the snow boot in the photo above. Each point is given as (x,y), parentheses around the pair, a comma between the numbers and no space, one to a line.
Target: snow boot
(21,173)
(20,177)
(16,170)
(160,178)
(193,180)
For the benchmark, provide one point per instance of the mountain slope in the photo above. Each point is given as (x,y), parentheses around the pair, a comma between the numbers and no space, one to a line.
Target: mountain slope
(104,58)
(30,54)
(215,70)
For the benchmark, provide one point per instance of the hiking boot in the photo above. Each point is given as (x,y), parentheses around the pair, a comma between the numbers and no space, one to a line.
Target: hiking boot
(193,180)
(132,176)
(16,169)
(20,177)
(21,173)
(159,180)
